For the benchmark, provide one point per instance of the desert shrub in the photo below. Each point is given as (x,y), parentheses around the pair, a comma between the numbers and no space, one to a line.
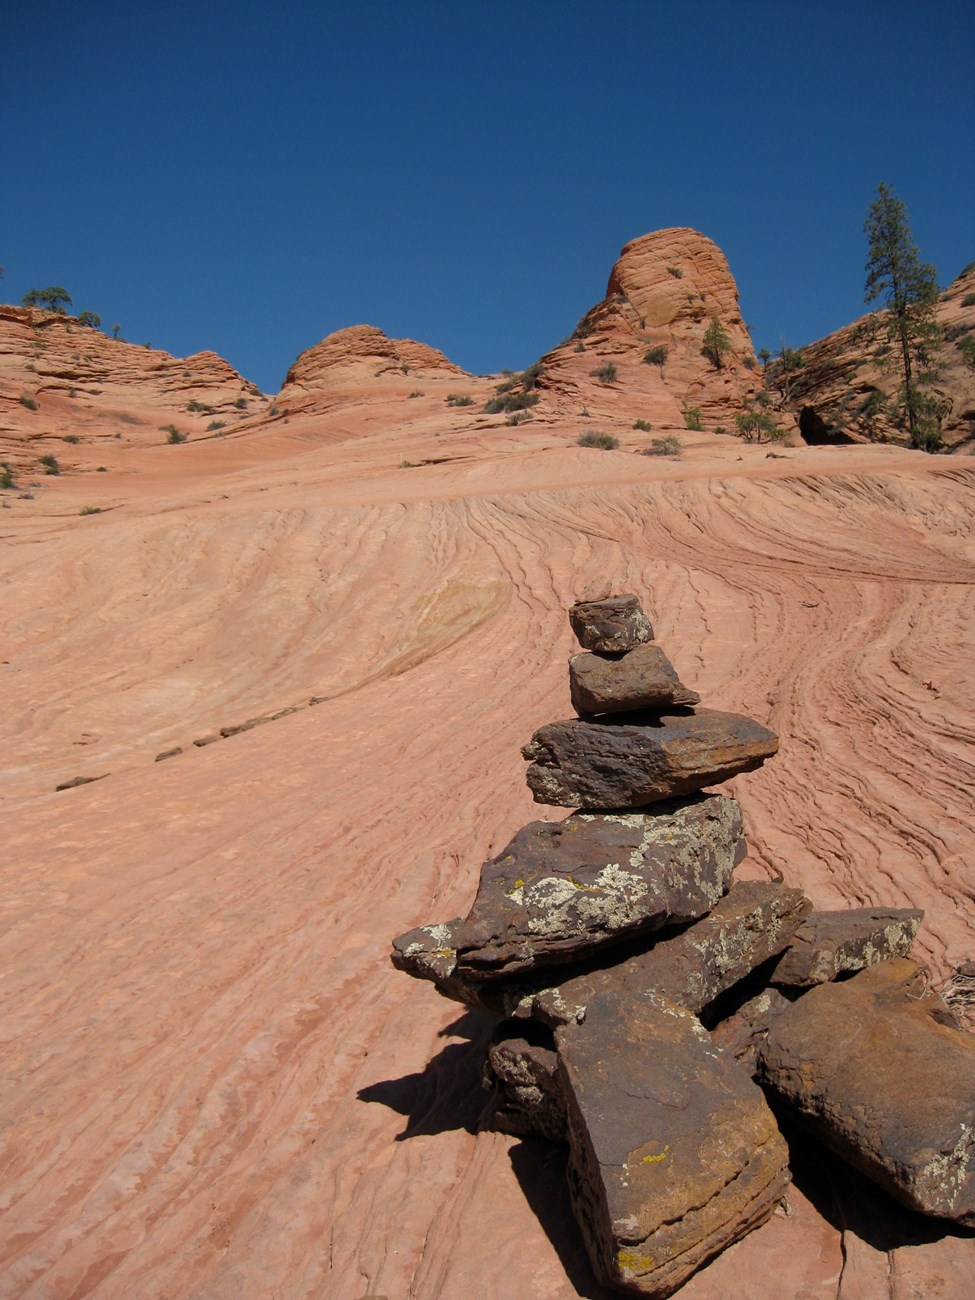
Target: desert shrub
(722,431)
(28,402)
(511,402)
(756,425)
(957,331)
(459,399)
(101,469)
(643,425)
(967,349)
(580,346)
(416,393)
(968,300)
(676,272)
(90,319)
(50,464)
(531,376)
(872,404)
(408,464)
(241,403)
(90,510)
(72,392)
(214,425)
(173,434)
(882,351)
(748,363)
(7,479)
(604,441)
(200,406)
(274,410)
(71,437)
(656,356)
(517,417)
(671,445)
(693,419)
(606,374)
(31,367)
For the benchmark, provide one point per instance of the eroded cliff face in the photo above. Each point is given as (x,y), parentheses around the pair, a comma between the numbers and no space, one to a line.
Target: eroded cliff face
(60,379)
(841,392)
(662,295)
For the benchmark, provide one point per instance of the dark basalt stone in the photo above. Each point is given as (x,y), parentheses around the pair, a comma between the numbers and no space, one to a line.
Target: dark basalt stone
(561,890)
(631,762)
(674,1153)
(611,625)
(867,1066)
(643,678)
(829,943)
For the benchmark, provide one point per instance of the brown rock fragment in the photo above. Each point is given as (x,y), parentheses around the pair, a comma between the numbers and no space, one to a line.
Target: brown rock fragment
(611,625)
(610,763)
(753,922)
(674,1153)
(744,1032)
(522,1069)
(828,943)
(643,678)
(867,1066)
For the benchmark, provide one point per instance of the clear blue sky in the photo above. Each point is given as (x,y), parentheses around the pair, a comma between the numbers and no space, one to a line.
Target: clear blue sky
(248,177)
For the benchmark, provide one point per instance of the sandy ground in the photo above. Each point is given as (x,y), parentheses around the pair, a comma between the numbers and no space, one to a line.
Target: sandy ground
(215,1084)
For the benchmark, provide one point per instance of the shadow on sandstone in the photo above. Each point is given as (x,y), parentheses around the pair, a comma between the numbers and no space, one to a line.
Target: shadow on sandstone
(448,1093)
(539,1167)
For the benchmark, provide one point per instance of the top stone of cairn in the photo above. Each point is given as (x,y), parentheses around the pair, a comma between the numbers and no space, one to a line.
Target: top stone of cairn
(610,626)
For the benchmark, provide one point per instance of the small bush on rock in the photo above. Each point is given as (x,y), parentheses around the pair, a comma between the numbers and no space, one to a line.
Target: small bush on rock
(50,464)
(643,425)
(671,445)
(604,441)
(606,374)
(693,419)
(656,356)
(459,399)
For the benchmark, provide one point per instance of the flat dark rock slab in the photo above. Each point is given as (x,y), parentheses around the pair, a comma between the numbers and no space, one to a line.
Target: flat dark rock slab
(674,1153)
(866,1065)
(753,922)
(563,890)
(629,763)
(611,625)
(643,678)
(830,943)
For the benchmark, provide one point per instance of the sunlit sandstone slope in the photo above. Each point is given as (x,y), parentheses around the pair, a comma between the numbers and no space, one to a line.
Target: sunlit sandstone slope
(215,1084)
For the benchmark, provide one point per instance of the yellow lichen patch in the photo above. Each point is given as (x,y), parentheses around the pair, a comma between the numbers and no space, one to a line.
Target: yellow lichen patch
(655,1160)
(633,1261)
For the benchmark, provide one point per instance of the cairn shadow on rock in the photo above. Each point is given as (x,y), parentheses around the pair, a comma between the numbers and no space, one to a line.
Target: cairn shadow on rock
(448,1093)
(539,1167)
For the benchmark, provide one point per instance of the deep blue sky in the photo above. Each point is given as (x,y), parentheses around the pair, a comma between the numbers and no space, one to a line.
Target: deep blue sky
(248,177)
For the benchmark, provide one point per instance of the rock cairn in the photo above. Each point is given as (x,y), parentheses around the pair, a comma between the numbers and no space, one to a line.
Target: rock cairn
(647,1002)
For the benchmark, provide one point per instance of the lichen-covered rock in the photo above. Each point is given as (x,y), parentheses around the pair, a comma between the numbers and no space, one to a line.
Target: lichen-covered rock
(643,678)
(865,1064)
(611,625)
(828,943)
(674,1153)
(522,1070)
(753,922)
(641,758)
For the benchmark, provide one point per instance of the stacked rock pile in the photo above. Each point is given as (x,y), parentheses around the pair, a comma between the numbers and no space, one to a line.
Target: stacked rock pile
(645,999)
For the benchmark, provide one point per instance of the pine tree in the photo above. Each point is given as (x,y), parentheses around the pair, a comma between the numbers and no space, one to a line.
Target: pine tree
(908,289)
(716,342)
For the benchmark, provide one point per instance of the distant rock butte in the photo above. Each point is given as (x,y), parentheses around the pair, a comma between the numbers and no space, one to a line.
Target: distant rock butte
(662,293)
(86,384)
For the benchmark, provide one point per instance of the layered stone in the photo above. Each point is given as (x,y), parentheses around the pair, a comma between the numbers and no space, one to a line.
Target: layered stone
(643,758)
(827,944)
(612,625)
(643,678)
(563,890)
(674,1153)
(867,1066)
(746,928)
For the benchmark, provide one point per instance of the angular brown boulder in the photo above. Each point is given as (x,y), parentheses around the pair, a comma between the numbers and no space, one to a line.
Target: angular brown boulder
(561,890)
(828,943)
(865,1064)
(753,922)
(522,1070)
(744,1032)
(611,625)
(643,678)
(674,1153)
(610,763)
